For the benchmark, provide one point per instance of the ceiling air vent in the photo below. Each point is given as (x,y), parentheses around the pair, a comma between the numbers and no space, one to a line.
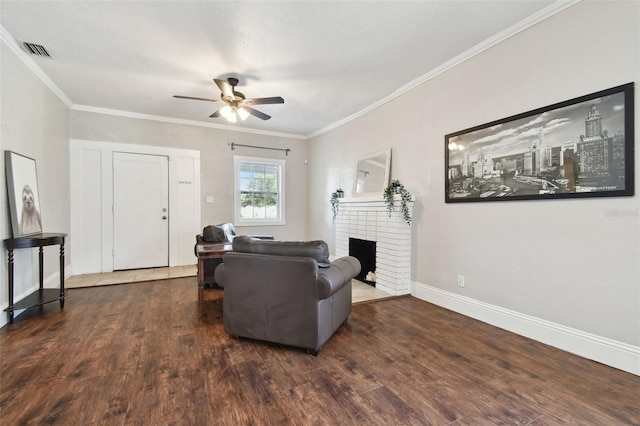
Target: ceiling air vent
(36,49)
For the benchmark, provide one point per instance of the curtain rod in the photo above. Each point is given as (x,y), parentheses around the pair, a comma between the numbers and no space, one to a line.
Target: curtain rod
(233,147)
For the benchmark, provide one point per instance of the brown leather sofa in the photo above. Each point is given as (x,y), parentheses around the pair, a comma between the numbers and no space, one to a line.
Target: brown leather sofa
(285,292)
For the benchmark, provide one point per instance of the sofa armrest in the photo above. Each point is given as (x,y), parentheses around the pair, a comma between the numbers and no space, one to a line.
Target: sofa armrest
(336,276)
(262,237)
(199,240)
(219,275)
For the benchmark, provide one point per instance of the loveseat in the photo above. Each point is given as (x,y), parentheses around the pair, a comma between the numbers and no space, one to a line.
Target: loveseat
(285,292)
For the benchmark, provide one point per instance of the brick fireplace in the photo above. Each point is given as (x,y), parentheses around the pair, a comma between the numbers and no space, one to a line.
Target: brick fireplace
(369,220)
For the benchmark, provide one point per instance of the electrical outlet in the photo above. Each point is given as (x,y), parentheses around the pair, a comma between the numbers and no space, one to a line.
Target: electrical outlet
(460,280)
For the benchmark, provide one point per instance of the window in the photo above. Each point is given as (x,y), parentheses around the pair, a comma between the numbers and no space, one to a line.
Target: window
(259,191)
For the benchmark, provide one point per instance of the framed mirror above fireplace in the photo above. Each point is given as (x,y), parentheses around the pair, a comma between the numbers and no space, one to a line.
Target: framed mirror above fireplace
(372,173)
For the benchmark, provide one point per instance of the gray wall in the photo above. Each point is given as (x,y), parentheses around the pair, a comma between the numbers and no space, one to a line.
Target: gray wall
(216,162)
(34,123)
(569,262)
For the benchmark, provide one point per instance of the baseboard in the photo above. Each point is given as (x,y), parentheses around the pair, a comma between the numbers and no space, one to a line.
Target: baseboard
(53,280)
(601,349)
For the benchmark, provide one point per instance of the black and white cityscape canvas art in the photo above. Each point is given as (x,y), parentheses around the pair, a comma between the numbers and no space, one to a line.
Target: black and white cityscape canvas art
(24,197)
(574,149)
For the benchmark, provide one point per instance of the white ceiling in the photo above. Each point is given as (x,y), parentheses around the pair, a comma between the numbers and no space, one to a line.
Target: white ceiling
(329,60)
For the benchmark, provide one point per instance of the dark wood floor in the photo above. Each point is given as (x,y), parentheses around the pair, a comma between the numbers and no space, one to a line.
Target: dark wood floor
(139,354)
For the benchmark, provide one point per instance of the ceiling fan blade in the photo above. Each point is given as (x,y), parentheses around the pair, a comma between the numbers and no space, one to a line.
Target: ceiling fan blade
(225,88)
(263,101)
(196,99)
(215,114)
(256,113)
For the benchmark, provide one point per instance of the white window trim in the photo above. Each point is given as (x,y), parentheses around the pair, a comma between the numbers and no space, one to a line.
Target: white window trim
(237,159)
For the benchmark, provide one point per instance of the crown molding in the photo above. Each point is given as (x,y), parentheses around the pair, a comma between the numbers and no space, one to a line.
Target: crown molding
(534,19)
(29,62)
(129,114)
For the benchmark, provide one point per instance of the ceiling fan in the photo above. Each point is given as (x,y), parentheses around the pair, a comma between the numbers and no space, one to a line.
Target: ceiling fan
(237,104)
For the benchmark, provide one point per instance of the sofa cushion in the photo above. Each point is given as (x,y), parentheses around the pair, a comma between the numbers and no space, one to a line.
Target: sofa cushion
(218,233)
(318,249)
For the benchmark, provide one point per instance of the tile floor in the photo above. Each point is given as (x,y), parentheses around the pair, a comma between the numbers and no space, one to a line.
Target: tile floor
(361,292)
(134,275)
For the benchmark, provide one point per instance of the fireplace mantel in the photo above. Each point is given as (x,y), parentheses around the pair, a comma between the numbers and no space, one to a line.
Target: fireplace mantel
(368,219)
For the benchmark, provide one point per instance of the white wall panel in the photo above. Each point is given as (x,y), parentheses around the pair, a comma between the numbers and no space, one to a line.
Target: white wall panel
(187,210)
(86,212)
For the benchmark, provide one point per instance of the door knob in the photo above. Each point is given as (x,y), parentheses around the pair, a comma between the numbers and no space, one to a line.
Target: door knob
(164,218)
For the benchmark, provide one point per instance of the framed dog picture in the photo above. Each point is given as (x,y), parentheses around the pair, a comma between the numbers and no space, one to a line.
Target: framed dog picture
(24,201)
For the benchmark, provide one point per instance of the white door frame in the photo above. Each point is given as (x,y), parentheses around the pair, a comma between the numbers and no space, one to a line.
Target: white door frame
(178,237)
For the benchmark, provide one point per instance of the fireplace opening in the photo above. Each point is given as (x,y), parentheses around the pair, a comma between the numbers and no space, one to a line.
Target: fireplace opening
(365,252)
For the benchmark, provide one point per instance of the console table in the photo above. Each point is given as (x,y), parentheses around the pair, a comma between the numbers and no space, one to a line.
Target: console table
(206,253)
(42,295)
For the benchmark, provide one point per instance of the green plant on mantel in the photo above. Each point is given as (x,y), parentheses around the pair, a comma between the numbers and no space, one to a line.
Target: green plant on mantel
(395,187)
(335,203)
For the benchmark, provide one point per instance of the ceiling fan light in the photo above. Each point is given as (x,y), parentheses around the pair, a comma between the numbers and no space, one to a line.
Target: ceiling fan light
(227,112)
(243,113)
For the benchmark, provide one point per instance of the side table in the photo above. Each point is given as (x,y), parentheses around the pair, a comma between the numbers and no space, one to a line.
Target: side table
(206,252)
(42,295)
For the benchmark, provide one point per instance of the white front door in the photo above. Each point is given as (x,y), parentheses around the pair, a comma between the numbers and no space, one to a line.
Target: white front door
(140,211)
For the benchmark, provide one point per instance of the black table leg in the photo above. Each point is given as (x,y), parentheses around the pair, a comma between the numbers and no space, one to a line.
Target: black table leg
(62,275)
(10,311)
(41,263)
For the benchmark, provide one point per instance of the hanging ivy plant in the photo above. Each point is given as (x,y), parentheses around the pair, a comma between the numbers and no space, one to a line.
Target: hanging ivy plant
(395,187)
(335,203)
